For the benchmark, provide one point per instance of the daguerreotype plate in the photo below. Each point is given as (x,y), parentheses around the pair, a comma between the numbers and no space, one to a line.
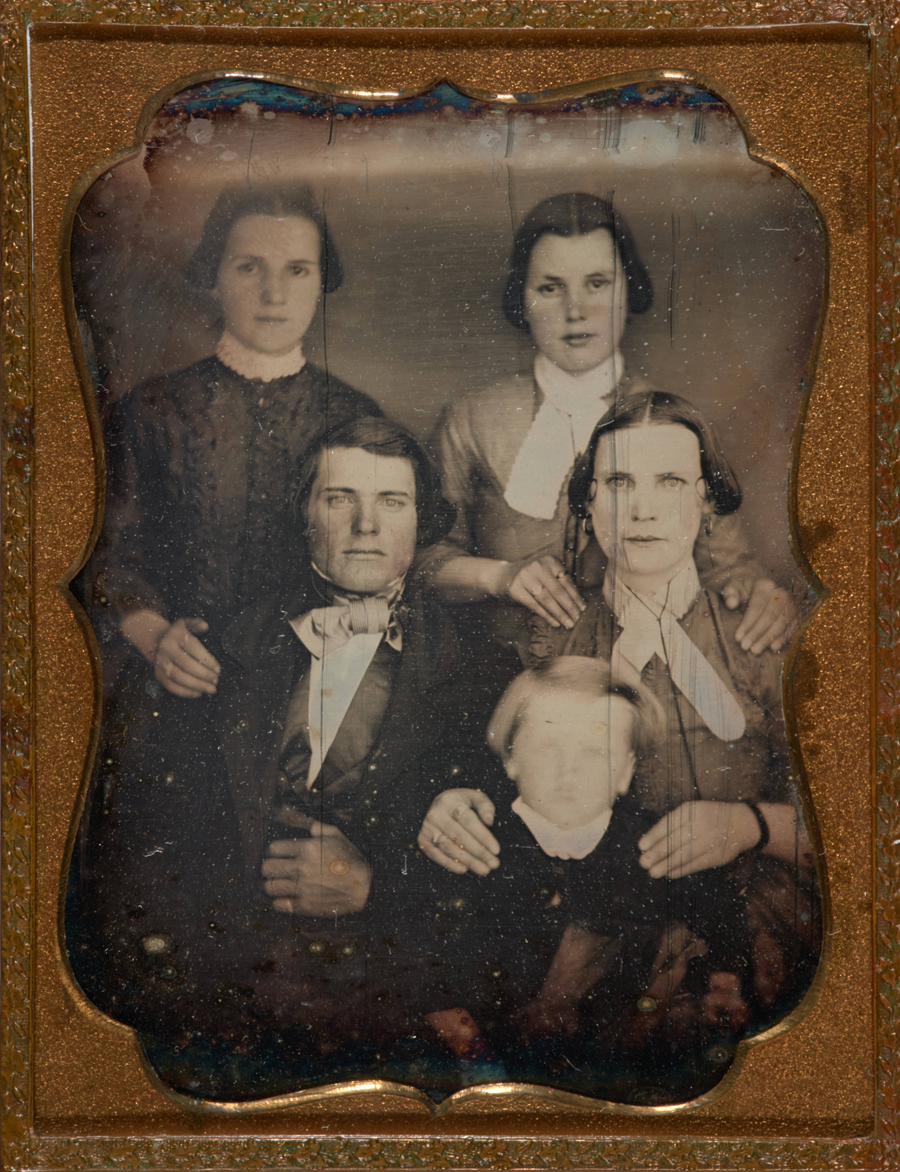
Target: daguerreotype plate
(444,634)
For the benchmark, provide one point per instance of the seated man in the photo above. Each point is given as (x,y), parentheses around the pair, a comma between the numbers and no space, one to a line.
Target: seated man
(345,713)
(258,920)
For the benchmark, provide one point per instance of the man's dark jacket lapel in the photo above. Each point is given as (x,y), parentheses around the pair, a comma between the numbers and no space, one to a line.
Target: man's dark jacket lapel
(264,649)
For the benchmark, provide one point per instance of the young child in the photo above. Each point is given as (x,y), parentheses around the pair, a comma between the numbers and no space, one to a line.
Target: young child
(568,733)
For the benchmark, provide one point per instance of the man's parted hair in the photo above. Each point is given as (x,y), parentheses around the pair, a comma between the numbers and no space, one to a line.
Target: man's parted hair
(383,437)
(583,676)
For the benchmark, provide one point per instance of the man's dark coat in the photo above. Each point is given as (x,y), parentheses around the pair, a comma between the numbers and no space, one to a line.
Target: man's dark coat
(185,934)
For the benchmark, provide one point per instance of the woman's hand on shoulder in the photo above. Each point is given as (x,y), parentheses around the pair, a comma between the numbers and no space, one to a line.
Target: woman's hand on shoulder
(182,664)
(698,835)
(545,587)
(180,661)
(455,832)
(771,618)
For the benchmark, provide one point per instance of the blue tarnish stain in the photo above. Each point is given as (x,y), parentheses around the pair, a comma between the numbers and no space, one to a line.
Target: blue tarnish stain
(231,93)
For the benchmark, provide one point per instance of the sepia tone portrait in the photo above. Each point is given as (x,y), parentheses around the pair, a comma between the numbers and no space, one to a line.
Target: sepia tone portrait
(443,591)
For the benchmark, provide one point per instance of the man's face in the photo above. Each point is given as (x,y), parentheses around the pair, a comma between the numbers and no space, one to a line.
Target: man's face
(362,518)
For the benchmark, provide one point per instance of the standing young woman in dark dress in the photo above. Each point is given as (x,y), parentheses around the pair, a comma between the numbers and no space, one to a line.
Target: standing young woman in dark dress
(200,463)
(200,467)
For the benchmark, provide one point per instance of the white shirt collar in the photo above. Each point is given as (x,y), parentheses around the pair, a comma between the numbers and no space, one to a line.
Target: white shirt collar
(560,431)
(253,364)
(574,843)
(577,393)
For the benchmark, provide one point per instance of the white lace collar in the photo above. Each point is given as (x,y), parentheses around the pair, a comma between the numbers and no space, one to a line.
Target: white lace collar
(253,364)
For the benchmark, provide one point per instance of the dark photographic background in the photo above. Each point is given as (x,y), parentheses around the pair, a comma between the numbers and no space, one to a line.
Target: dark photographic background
(423,198)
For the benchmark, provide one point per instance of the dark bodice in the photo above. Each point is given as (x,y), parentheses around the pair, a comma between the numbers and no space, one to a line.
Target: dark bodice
(688,761)
(200,473)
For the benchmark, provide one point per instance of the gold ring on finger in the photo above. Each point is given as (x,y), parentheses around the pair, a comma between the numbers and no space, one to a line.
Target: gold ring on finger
(339,867)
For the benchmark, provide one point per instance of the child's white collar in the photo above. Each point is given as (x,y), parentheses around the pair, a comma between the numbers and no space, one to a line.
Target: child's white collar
(562,844)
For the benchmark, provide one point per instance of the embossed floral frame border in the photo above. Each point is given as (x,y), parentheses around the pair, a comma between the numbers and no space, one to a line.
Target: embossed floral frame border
(73,1089)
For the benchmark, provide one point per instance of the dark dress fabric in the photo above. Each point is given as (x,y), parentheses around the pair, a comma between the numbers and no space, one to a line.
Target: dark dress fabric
(201,466)
(647,1033)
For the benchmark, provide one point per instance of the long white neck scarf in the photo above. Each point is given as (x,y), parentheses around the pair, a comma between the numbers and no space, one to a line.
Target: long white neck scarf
(342,640)
(650,627)
(559,433)
(253,364)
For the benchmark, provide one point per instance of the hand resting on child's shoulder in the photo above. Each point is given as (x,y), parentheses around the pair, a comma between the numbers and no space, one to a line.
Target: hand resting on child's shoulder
(698,835)
(455,832)
(703,834)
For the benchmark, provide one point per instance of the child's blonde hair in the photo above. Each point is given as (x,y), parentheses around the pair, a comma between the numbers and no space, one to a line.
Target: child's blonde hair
(585,675)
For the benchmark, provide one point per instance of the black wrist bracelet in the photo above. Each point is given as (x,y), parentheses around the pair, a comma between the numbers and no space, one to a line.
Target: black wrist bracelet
(763,826)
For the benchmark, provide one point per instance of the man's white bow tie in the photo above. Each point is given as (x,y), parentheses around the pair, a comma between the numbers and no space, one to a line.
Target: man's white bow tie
(326,628)
(342,640)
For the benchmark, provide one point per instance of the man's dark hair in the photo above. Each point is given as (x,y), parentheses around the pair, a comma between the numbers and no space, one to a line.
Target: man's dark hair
(573,214)
(235,203)
(383,437)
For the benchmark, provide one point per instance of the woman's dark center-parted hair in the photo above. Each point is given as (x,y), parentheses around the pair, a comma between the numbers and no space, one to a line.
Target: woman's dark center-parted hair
(236,203)
(659,407)
(383,437)
(573,214)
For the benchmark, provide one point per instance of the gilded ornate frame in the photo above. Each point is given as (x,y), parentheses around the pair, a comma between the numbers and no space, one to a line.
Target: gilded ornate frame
(74,1091)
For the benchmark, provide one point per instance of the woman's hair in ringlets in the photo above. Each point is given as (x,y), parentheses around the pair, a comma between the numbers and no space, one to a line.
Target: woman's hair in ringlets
(581,675)
(573,214)
(235,203)
(650,407)
(383,437)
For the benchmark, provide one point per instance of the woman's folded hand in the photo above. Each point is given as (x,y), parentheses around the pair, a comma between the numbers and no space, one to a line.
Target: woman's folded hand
(455,832)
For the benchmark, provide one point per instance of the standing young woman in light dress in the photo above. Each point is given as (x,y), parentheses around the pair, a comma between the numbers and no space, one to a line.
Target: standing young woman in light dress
(507,452)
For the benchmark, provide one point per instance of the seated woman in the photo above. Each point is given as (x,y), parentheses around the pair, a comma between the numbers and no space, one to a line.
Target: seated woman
(716,780)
